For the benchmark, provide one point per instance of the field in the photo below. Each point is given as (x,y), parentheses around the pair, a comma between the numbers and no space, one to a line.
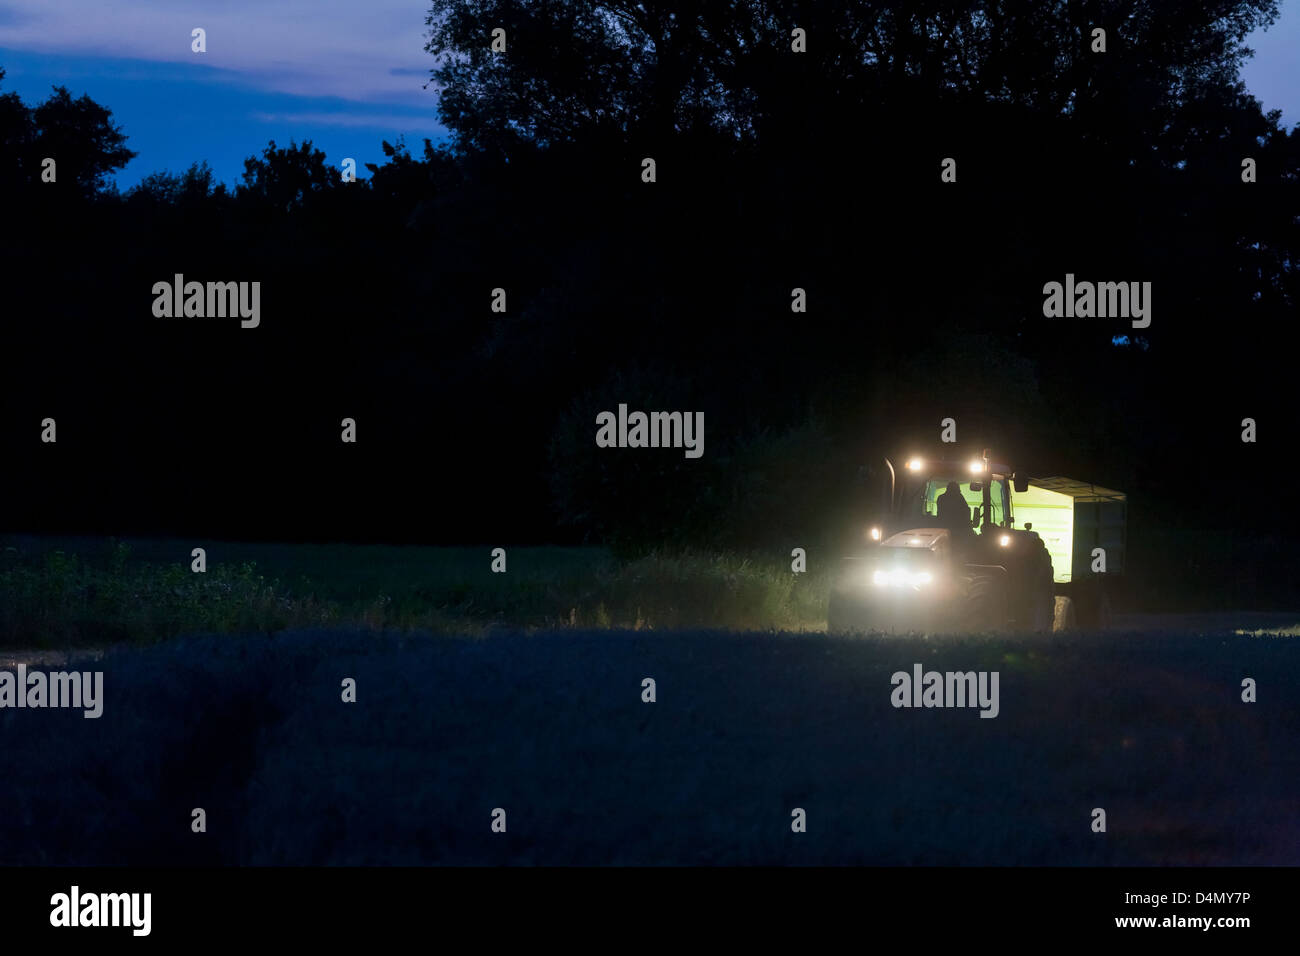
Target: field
(524,691)
(551,727)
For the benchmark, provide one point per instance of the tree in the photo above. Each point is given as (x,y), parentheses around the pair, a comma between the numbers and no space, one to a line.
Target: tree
(405,179)
(81,137)
(288,178)
(652,68)
(17,137)
(165,188)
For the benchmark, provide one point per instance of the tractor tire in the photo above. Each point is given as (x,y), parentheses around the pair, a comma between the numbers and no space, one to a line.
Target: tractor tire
(985,608)
(1043,615)
(1037,609)
(1065,618)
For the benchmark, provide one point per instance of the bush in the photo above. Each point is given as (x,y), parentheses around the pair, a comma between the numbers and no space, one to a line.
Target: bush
(756,486)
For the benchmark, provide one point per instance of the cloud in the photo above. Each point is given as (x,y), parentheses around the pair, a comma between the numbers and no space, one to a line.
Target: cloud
(394,121)
(365,51)
(10,17)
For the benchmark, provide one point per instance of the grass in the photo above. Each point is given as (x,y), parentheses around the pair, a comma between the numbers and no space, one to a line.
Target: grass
(552,727)
(77,592)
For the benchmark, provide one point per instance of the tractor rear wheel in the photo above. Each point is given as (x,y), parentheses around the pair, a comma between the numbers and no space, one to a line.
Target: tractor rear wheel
(1043,612)
(986,610)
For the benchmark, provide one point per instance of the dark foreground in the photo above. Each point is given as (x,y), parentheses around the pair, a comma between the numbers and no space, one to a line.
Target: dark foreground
(746,728)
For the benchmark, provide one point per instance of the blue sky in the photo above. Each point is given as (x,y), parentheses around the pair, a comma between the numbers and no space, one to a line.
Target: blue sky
(345,74)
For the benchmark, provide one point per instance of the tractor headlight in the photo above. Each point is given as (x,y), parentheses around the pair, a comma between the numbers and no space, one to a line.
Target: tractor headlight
(899,578)
(1005,540)
(874,533)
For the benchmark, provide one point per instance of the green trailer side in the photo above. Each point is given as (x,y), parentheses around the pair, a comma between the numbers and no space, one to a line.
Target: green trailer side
(1074,518)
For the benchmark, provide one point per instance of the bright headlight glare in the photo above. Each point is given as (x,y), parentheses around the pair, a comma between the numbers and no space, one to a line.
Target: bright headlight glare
(914,464)
(976,467)
(899,578)
(875,534)
(1005,540)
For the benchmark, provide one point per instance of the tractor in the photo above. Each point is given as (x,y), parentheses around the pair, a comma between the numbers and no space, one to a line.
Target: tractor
(942,552)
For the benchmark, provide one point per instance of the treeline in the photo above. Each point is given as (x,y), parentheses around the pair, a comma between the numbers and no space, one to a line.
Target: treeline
(774,171)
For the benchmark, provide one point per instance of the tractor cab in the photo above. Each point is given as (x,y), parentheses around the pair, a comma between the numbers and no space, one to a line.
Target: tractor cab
(913,493)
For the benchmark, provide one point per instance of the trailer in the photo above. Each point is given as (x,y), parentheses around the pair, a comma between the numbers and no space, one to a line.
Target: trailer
(1084,527)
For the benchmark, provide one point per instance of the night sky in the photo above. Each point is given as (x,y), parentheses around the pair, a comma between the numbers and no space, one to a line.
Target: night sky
(344,75)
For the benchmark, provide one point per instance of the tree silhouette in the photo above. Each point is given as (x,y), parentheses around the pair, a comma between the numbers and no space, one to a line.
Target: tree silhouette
(586,69)
(17,134)
(81,137)
(287,179)
(191,187)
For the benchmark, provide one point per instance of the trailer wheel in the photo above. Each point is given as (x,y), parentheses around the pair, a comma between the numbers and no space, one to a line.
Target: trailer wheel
(1065,618)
